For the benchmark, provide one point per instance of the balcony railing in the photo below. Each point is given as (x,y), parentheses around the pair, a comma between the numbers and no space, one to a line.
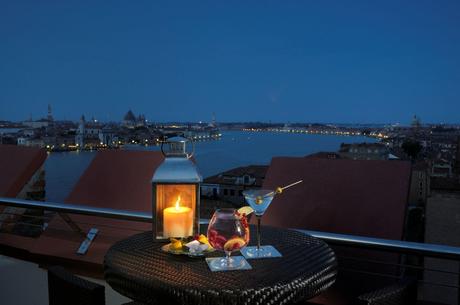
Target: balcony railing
(406,248)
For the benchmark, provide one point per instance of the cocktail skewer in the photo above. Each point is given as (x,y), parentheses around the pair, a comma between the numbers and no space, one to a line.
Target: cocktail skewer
(281,189)
(278,190)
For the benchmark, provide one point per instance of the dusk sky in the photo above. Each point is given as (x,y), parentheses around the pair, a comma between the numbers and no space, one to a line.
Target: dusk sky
(297,61)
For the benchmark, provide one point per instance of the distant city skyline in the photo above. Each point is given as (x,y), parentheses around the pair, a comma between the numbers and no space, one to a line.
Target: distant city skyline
(90,117)
(338,62)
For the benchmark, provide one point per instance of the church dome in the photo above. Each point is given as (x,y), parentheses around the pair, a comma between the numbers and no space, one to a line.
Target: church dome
(129,116)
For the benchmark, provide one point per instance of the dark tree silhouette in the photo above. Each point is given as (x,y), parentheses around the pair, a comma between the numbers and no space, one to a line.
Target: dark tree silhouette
(412,148)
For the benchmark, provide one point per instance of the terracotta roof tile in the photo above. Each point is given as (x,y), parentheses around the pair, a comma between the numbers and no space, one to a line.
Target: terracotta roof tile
(17,165)
(342,196)
(118,179)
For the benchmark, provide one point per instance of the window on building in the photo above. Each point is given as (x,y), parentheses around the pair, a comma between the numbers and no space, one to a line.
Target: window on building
(232,192)
(225,192)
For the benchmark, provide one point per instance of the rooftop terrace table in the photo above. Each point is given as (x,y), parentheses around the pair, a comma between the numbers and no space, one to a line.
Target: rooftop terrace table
(137,268)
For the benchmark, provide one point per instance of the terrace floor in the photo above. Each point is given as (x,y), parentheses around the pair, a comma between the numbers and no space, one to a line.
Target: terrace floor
(25,283)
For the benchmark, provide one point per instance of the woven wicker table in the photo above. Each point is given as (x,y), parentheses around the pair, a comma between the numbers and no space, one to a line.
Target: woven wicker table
(137,268)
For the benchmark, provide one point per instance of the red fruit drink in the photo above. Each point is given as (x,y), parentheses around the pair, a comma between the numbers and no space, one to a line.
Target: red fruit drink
(228,231)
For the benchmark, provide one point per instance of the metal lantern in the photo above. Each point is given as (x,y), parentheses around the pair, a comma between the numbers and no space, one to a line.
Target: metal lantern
(176,192)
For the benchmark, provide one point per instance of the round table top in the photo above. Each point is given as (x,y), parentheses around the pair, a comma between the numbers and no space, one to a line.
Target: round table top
(137,268)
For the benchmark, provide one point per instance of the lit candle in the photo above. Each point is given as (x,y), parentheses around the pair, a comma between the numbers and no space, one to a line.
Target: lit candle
(178,221)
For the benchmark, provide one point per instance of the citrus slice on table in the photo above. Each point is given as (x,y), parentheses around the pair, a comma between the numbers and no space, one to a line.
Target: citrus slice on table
(233,244)
(176,245)
(245,210)
(204,240)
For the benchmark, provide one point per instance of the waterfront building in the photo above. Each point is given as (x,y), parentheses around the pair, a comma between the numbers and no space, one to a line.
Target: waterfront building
(80,134)
(130,120)
(201,133)
(364,151)
(29,132)
(87,134)
(43,122)
(30,141)
(107,136)
(141,121)
(229,185)
(62,142)
(36,124)
(22,141)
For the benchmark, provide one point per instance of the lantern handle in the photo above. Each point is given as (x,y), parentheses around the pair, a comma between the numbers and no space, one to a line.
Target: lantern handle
(186,154)
(161,148)
(193,150)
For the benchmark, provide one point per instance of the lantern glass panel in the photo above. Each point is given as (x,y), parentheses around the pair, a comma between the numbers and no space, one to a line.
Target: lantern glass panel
(176,210)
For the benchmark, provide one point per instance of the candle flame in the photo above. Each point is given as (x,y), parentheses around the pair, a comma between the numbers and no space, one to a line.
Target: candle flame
(177,202)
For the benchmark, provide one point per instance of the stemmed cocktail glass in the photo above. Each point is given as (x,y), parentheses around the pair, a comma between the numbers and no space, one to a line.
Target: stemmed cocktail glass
(260,200)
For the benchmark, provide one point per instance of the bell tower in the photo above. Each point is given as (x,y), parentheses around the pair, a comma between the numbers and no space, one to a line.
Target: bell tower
(50,114)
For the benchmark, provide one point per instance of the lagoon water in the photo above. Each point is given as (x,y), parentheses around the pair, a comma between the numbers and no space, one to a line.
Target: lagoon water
(235,148)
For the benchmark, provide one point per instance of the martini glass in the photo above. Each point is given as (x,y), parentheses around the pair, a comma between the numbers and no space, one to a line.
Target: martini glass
(259,200)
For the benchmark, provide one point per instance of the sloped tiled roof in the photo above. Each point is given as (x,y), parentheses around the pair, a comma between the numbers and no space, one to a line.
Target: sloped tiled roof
(17,165)
(365,198)
(117,179)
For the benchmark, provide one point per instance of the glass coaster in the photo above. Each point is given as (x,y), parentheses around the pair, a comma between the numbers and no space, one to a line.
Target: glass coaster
(221,263)
(263,252)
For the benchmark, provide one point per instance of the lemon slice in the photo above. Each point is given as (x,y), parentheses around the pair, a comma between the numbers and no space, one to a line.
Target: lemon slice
(234,244)
(177,245)
(245,210)
(203,239)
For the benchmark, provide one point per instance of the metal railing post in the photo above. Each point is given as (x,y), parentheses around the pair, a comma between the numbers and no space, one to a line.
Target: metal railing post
(458,284)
